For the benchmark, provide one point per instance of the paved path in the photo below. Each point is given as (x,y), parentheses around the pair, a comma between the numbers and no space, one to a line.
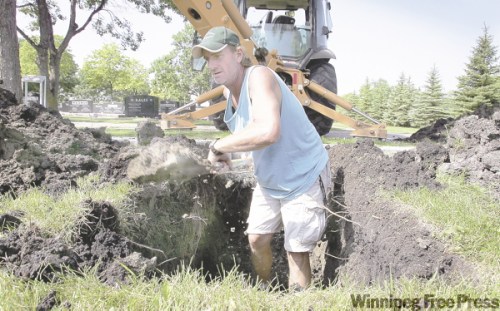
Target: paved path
(105,124)
(339,133)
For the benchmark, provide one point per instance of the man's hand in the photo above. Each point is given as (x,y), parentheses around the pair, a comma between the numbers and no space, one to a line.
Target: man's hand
(220,163)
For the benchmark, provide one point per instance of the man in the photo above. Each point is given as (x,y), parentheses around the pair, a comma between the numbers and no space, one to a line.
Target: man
(290,161)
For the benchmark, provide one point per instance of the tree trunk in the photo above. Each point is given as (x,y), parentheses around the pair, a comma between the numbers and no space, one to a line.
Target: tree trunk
(10,68)
(54,85)
(45,51)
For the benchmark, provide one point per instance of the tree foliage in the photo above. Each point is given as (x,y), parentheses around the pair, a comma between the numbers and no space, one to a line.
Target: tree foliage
(432,103)
(402,104)
(68,71)
(380,93)
(173,77)
(372,99)
(403,96)
(480,83)
(107,73)
(100,13)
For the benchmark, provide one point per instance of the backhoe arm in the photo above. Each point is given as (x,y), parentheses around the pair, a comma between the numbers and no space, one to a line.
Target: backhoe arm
(361,129)
(173,120)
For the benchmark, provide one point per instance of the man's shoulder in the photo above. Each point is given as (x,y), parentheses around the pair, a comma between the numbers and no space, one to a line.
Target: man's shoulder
(261,69)
(260,73)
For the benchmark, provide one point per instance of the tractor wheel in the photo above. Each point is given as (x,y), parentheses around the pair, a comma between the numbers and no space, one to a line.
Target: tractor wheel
(324,74)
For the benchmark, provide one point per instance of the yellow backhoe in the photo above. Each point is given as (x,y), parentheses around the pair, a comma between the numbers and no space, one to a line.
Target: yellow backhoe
(288,36)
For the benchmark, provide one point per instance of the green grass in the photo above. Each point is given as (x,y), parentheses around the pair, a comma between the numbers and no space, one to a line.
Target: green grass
(401,130)
(122,120)
(195,134)
(188,290)
(465,216)
(118,132)
(57,216)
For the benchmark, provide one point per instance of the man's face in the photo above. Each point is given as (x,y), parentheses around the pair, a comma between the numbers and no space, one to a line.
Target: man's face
(222,65)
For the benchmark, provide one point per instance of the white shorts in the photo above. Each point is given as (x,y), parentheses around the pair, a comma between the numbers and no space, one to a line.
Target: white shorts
(303,218)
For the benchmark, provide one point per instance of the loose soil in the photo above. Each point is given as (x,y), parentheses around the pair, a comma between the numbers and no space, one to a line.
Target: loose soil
(200,220)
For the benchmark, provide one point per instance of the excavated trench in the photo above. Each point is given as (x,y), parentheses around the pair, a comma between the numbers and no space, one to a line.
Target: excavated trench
(200,220)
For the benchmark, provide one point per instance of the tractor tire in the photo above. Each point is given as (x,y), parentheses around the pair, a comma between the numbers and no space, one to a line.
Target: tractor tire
(323,73)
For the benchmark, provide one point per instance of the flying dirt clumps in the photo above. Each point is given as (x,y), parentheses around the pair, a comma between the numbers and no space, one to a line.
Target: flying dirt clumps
(146,131)
(40,148)
(163,160)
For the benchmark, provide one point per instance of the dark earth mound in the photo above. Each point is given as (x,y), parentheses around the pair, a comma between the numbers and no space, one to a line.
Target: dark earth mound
(473,144)
(31,255)
(202,220)
(40,148)
(379,239)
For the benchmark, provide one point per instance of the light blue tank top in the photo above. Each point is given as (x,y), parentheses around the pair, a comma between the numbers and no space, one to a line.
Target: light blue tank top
(289,167)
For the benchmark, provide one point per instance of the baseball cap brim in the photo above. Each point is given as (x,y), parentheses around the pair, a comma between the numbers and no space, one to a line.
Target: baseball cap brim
(215,40)
(212,47)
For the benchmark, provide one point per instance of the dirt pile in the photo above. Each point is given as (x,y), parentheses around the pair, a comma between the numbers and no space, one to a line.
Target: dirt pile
(29,254)
(40,148)
(378,239)
(473,144)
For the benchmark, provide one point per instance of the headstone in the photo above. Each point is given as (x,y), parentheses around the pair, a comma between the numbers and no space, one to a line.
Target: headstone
(142,106)
(168,105)
(81,106)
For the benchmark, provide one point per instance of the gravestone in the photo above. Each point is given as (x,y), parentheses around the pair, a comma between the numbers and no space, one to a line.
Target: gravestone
(80,105)
(142,106)
(168,105)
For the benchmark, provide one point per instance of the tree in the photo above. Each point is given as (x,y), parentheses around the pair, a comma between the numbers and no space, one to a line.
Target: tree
(108,72)
(46,13)
(431,105)
(403,97)
(481,83)
(362,101)
(10,69)
(372,99)
(379,102)
(173,77)
(69,68)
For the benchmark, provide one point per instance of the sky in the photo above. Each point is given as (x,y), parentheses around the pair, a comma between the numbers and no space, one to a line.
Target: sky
(371,39)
